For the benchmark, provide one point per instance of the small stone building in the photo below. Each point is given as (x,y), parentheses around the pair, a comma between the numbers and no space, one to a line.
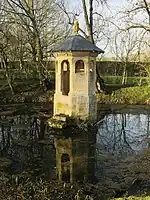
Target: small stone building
(75,77)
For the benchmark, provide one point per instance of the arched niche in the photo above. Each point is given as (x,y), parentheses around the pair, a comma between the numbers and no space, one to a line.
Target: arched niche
(79,66)
(65,77)
(65,167)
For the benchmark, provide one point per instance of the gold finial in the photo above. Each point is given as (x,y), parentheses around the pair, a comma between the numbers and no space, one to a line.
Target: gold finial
(76,26)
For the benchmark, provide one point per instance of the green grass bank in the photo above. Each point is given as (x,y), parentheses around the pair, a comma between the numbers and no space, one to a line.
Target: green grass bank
(133,198)
(131,95)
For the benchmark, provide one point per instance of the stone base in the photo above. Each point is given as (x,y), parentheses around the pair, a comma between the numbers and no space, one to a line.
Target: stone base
(58,122)
(81,106)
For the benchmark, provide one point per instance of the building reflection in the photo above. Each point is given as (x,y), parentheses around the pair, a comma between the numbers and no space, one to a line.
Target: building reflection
(75,156)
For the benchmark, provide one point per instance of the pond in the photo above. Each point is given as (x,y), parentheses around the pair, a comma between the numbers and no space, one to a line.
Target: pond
(31,144)
(124,133)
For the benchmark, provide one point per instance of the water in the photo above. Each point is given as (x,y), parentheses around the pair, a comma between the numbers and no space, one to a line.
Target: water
(30,142)
(124,133)
(122,137)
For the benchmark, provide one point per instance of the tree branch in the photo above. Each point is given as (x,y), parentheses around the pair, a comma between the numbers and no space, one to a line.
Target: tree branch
(147,9)
(139,26)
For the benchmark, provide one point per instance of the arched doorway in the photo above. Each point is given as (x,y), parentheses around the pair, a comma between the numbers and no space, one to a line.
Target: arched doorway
(65,77)
(65,167)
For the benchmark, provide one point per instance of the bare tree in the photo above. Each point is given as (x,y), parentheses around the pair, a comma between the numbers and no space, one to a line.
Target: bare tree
(4,59)
(125,49)
(138,15)
(5,43)
(39,22)
(91,11)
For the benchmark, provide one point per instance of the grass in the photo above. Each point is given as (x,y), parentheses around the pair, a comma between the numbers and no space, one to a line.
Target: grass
(131,95)
(116,93)
(133,198)
(134,80)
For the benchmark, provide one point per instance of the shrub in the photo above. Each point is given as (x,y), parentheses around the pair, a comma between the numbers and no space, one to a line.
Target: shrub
(131,95)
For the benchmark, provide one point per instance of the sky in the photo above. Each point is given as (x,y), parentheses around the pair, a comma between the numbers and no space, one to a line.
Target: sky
(117,3)
(111,14)
(113,7)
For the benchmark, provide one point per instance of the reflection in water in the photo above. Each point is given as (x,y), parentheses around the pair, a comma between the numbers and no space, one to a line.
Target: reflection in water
(25,139)
(75,157)
(65,167)
(125,134)
(29,141)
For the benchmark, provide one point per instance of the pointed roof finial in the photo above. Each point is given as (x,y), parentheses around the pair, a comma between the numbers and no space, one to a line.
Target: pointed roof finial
(76,26)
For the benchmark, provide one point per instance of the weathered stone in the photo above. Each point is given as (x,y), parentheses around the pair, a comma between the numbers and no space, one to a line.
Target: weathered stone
(75,77)
(79,101)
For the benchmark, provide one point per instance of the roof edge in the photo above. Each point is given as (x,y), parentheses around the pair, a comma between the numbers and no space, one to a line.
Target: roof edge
(101,51)
(70,45)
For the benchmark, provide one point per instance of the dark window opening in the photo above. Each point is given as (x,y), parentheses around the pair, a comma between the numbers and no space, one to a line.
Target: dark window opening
(79,66)
(65,167)
(65,77)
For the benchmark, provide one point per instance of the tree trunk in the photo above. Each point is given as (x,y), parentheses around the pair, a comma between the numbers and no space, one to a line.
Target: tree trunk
(6,73)
(124,76)
(88,20)
(89,27)
(90,31)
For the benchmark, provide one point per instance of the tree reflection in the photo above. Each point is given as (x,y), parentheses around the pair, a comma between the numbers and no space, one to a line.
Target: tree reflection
(26,139)
(124,134)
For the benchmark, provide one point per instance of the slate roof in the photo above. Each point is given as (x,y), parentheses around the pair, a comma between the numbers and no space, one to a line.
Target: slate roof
(77,43)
